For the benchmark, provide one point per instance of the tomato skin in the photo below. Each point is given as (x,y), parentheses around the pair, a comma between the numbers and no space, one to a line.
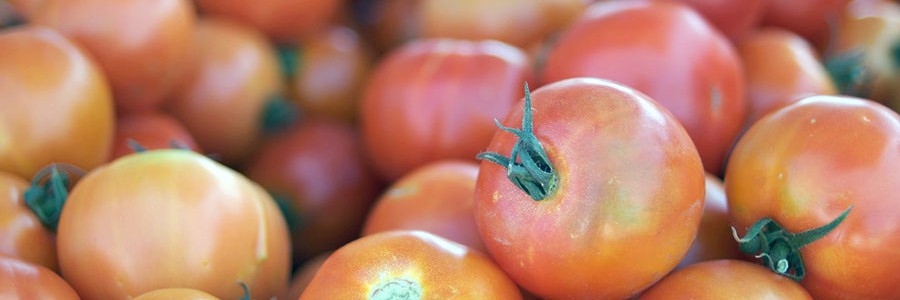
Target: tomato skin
(303,276)
(802,166)
(282,20)
(141,45)
(675,57)
(23,280)
(442,269)
(714,238)
(176,294)
(808,18)
(172,217)
(152,130)
(418,104)
(437,197)
(588,239)
(223,99)
(726,279)
(22,235)
(734,19)
(57,105)
(318,167)
(781,68)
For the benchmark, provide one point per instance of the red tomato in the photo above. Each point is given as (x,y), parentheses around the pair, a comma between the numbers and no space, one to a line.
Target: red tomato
(734,19)
(303,276)
(622,188)
(151,130)
(176,294)
(22,235)
(864,58)
(332,67)
(23,280)
(802,166)
(283,20)
(409,265)
(667,51)
(808,18)
(437,99)
(142,45)
(714,238)
(223,102)
(165,218)
(436,197)
(781,68)
(317,171)
(726,279)
(56,104)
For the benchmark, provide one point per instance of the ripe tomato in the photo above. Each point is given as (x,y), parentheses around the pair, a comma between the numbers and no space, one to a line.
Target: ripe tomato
(436,197)
(24,280)
(164,218)
(725,279)
(714,238)
(734,19)
(865,56)
(283,20)
(317,171)
(437,99)
(781,68)
(151,130)
(667,51)
(804,164)
(142,45)
(56,104)
(409,265)
(223,102)
(303,276)
(332,67)
(22,235)
(176,294)
(808,18)
(622,188)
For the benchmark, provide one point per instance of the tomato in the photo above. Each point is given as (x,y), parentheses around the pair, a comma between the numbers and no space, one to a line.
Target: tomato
(667,51)
(437,99)
(613,191)
(224,100)
(332,67)
(283,20)
(409,265)
(303,276)
(734,19)
(781,68)
(714,238)
(24,280)
(22,235)
(725,279)
(864,59)
(808,18)
(436,197)
(141,45)
(150,130)
(164,218)
(176,294)
(56,103)
(318,172)
(804,164)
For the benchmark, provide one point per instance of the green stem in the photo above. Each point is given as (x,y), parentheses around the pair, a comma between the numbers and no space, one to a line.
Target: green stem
(528,166)
(135,146)
(895,54)
(49,190)
(246,291)
(279,113)
(289,59)
(848,71)
(778,248)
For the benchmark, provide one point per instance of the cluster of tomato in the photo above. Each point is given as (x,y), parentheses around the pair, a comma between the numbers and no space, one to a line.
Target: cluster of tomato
(426,149)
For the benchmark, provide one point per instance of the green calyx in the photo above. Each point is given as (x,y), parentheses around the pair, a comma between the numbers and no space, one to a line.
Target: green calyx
(288,58)
(528,166)
(849,73)
(780,249)
(49,190)
(279,113)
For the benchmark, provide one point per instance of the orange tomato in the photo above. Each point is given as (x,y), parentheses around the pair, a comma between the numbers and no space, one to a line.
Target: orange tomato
(22,235)
(176,294)
(56,103)
(714,239)
(23,280)
(725,279)
(164,218)
(733,18)
(283,20)
(303,276)
(807,18)
(409,264)
(141,45)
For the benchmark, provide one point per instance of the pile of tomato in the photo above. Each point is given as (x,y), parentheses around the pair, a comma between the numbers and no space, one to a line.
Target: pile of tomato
(426,149)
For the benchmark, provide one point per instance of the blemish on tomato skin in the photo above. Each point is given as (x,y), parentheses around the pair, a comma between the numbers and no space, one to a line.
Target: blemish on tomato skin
(495,197)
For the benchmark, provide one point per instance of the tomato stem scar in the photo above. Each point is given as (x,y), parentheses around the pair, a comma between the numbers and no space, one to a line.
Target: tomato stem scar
(397,289)
(528,166)
(49,190)
(778,248)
